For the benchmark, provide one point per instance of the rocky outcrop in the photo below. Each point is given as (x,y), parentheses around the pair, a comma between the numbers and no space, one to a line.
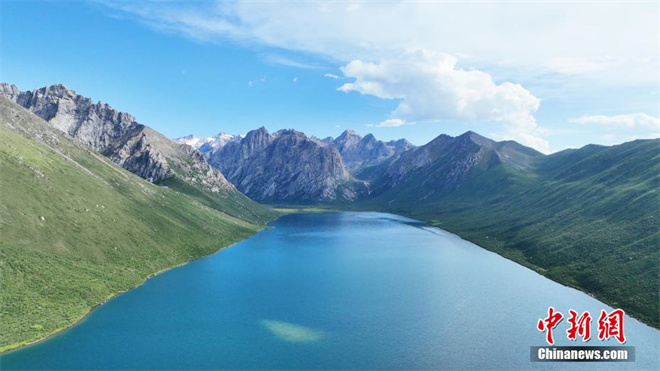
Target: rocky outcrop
(365,151)
(288,166)
(118,135)
(285,166)
(97,125)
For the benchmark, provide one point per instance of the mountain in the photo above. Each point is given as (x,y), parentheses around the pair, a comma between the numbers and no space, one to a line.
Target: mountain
(587,218)
(77,228)
(449,164)
(136,147)
(357,151)
(286,167)
(208,145)
(289,167)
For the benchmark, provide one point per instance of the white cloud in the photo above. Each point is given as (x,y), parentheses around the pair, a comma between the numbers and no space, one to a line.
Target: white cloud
(634,120)
(622,128)
(582,65)
(285,61)
(541,36)
(389,123)
(332,76)
(430,87)
(605,45)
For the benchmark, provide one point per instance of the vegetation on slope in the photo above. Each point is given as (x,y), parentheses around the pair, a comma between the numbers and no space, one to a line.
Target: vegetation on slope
(76,229)
(586,218)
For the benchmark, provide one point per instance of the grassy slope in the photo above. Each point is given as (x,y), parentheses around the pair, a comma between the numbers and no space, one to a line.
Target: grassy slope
(232,202)
(104,230)
(188,179)
(587,218)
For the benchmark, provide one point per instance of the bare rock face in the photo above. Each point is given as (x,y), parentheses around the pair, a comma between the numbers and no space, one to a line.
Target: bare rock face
(96,125)
(135,153)
(286,166)
(365,151)
(117,135)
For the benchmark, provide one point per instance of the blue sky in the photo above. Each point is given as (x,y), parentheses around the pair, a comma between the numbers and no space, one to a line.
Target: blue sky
(550,75)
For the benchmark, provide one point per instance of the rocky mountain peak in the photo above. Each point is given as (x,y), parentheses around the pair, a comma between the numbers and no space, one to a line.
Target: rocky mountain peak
(96,125)
(255,141)
(59,90)
(284,166)
(10,91)
(117,135)
(360,151)
(346,140)
(473,137)
(400,145)
(369,138)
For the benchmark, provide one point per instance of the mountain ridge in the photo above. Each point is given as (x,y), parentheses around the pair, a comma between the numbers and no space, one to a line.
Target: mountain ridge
(136,147)
(78,229)
(284,166)
(565,215)
(584,217)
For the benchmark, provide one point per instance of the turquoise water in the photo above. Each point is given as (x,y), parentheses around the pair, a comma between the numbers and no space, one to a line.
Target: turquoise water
(332,291)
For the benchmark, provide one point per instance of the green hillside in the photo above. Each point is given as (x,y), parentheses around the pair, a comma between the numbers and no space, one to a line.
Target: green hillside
(587,218)
(75,229)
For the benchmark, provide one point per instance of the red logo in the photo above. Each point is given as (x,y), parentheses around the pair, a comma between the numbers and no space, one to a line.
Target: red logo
(610,325)
(579,326)
(549,323)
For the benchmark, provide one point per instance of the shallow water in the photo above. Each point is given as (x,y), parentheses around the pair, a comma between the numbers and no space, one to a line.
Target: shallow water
(333,291)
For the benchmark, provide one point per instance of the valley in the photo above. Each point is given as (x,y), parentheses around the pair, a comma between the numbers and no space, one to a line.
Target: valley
(113,201)
(77,229)
(586,218)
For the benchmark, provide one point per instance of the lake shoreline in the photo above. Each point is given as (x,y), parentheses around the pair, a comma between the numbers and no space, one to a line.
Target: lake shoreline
(19,346)
(22,345)
(536,269)
(299,274)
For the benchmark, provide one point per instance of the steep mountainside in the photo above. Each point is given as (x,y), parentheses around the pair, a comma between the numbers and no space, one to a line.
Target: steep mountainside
(358,151)
(290,167)
(586,218)
(135,147)
(77,229)
(286,166)
(448,164)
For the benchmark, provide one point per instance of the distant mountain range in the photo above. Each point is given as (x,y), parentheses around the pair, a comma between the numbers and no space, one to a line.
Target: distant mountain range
(290,167)
(586,217)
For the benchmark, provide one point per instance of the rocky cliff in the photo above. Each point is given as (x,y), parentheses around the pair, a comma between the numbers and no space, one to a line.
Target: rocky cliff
(290,167)
(135,147)
(117,135)
(365,151)
(285,166)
